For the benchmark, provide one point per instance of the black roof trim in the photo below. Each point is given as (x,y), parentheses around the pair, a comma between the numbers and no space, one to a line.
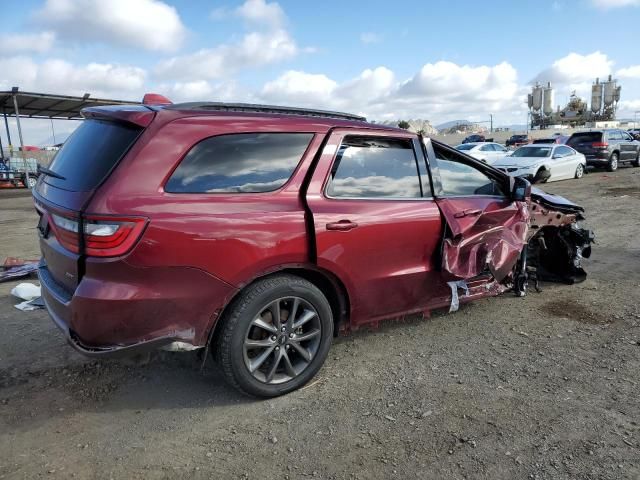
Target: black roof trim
(256,108)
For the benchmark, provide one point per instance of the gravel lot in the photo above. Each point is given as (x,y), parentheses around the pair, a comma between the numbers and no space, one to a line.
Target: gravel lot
(544,386)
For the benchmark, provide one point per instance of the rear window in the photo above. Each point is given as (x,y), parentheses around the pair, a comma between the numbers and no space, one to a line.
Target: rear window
(584,137)
(90,153)
(465,146)
(240,163)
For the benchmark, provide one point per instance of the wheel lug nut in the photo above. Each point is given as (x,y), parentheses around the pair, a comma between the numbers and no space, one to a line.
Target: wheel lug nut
(273,338)
(291,335)
(287,347)
(277,348)
(283,329)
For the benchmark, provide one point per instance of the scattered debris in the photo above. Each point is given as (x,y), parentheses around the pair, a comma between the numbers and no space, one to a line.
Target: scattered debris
(17,271)
(26,291)
(31,294)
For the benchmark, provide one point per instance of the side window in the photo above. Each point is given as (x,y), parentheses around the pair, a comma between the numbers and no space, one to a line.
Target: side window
(487,148)
(626,136)
(564,151)
(245,162)
(460,179)
(373,167)
(614,135)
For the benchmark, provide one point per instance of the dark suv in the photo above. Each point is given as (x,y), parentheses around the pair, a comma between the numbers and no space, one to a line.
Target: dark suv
(517,140)
(606,148)
(262,231)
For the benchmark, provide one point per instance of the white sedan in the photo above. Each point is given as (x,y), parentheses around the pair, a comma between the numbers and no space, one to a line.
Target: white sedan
(544,163)
(488,152)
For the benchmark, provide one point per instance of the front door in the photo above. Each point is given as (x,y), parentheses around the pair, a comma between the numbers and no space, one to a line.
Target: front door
(486,230)
(376,224)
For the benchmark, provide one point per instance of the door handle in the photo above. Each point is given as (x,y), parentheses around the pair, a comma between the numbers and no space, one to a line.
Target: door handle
(342,225)
(470,212)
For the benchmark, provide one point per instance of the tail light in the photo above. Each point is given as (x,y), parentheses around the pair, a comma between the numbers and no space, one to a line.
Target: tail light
(599,144)
(102,236)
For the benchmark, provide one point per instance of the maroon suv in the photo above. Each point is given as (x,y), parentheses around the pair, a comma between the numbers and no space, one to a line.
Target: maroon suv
(262,232)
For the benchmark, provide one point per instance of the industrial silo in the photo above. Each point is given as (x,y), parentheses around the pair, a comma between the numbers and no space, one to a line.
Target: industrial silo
(537,97)
(548,100)
(610,92)
(596,97)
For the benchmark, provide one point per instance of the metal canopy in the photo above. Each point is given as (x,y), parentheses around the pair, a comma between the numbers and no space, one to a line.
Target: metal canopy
(44,105)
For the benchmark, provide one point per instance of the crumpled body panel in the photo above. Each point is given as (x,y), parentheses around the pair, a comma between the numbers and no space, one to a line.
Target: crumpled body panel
(485,239)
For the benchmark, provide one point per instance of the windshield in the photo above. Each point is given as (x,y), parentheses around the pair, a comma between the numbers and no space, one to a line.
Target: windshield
(537,152)
(465,146)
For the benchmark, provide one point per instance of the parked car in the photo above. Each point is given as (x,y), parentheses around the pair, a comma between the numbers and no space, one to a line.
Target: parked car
(544,163)
(260,232)
(19,172)
(517,140)
(607,148)
(635,133)
(557,139)
(475,138)
(488,152)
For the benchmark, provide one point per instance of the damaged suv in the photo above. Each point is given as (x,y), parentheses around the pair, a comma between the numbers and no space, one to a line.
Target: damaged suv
(260,232)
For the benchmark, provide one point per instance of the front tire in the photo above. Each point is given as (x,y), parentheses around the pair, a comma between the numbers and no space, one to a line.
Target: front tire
(612,166)
(579,171)
(541,176)
(636,162)
(275,336)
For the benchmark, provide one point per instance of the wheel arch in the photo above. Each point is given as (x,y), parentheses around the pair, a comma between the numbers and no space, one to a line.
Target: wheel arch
(328,283)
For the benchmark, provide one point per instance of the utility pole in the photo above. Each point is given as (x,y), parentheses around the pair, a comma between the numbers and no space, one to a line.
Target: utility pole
(491,117)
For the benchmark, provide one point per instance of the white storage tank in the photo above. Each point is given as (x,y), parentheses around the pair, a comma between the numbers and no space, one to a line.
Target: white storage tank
(596,96)
(548,100)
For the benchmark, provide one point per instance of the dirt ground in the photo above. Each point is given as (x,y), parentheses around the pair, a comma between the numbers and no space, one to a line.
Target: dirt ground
(542,387)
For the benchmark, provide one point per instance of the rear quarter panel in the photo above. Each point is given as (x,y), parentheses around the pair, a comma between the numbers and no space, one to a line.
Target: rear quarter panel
(235,237)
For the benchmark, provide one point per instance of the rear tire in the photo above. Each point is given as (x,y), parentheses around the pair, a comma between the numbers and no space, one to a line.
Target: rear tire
(266,356)
(612,166)
(579,171)
(32,180)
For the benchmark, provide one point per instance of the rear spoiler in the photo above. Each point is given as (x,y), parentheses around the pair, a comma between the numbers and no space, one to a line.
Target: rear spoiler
(139,115)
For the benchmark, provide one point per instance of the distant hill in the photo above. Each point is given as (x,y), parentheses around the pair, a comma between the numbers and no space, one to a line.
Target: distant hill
(415,125)
(453,123)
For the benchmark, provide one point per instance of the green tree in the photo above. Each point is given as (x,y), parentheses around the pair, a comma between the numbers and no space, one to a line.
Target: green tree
(403,124)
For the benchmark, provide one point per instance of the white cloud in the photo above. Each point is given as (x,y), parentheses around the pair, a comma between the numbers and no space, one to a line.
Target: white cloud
(607,4)
(575,69)
(16,43)
(300,87)
(148,24)
(59,76)
(202,90)
(269,43)
(450,81)
(629,72)
(370,37)
(260,12)
(254,50)
(437,91)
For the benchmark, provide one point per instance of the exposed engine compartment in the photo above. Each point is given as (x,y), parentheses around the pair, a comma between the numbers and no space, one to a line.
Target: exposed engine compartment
(556,243)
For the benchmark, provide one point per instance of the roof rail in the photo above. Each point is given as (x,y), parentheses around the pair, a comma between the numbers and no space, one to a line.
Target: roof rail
(251,107)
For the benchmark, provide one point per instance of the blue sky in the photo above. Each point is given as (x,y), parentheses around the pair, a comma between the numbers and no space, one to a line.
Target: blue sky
(406,59)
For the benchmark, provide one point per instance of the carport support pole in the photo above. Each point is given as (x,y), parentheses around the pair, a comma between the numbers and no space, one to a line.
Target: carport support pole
(24,160)
(6,125)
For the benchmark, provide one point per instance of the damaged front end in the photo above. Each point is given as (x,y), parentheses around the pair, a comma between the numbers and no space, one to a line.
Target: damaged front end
(556,243)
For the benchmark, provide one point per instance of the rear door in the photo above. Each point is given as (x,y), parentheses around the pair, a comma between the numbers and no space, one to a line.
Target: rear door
(81,165)
(628,147)
(376,223)
(486,230)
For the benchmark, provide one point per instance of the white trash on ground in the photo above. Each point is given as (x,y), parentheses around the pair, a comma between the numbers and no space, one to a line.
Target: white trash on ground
(26,291)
